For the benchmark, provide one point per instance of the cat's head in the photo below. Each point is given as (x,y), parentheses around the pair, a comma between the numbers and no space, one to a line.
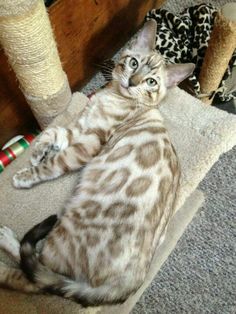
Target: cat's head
(141,72)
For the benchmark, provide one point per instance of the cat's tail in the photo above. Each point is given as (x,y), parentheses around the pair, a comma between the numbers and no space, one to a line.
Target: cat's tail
(29,261)
(55,283)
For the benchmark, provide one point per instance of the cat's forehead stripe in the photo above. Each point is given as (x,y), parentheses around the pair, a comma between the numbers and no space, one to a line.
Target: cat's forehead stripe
(154,63)
(125,56)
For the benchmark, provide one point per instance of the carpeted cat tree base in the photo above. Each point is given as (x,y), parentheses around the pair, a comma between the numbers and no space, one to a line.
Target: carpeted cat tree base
(200,134)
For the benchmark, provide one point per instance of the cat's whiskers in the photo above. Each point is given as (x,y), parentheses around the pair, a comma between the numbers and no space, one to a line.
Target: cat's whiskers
(107,70)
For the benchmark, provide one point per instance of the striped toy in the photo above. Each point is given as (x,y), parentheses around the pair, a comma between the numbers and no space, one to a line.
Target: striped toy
(14,150)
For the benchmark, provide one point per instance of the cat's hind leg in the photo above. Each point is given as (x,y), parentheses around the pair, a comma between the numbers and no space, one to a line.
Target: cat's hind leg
(13,278)
(9,243)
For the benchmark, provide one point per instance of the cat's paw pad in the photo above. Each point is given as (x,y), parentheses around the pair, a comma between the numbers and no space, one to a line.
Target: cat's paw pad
(23,178)
(40,152)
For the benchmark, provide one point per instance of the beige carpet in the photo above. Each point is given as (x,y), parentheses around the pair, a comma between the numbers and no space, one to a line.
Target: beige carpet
(200,134)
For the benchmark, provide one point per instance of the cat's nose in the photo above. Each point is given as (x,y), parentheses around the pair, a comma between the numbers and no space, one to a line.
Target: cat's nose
(131,82)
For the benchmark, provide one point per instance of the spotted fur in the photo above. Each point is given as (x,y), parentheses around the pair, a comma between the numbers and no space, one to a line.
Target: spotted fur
(98,250)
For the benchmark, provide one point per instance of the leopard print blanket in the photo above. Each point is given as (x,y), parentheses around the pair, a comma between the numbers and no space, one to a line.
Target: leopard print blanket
(184,38)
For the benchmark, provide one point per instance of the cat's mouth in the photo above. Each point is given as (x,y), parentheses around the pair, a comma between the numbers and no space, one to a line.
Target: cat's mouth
(124,86)
(124,90)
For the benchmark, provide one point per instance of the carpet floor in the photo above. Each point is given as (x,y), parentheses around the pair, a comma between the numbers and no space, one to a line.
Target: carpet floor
(199,276)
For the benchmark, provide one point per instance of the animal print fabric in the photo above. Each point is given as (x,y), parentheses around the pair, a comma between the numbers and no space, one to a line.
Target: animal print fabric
(184,38)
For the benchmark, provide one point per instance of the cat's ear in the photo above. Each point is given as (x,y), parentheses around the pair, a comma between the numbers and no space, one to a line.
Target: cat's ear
(146,39)
(176,73)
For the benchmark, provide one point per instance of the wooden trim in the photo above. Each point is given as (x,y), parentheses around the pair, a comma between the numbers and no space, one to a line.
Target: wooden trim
(87,36)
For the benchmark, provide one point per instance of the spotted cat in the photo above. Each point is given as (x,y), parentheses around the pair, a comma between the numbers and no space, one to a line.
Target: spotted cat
(99,249)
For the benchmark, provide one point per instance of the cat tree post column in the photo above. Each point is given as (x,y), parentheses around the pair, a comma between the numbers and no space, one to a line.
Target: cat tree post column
(27,39)
(219,52)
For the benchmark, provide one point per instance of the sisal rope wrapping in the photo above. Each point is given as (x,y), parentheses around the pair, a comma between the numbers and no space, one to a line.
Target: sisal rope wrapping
(29,44)
(53,105)
(15,7)
(219,52)
(28,41)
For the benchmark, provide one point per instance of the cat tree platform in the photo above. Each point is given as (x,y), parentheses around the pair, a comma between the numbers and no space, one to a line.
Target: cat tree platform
(200,134)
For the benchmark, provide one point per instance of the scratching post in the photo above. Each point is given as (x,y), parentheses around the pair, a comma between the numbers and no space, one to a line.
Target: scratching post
(219,52)
(27,39)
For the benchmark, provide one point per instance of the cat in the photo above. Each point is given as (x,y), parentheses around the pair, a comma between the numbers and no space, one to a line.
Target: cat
(99,249)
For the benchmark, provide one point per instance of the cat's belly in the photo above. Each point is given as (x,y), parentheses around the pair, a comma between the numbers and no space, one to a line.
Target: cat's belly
(118,211)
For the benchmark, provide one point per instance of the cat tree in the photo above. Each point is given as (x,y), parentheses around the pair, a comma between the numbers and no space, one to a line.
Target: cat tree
(199,133)
(27,39)
(220,48)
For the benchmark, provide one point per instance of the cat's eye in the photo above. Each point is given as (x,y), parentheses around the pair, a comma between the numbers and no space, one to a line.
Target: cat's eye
(133,63)
(151,82)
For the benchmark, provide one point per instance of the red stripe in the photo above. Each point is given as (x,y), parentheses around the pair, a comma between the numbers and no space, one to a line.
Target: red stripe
(10,151)
(4,158)
(29,138)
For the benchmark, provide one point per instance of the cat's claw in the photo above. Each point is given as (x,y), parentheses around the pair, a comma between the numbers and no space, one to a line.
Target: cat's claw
(23,179)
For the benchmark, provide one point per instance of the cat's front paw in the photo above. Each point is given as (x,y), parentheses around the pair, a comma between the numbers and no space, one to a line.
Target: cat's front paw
(39,153)
(48,144)
(23,179)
